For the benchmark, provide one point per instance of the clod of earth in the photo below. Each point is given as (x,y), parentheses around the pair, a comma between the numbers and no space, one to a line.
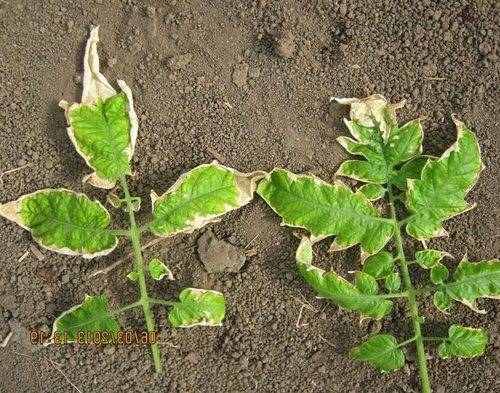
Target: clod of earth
(218,255)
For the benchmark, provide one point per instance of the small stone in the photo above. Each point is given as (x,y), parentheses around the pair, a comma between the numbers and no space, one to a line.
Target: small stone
(110,349)
(219,255)
(150,12)
(244,361)
(484,48)
(77,79)
(112,62)
(179,62)
(192,357)
(254,73)
(70,24)
(429,70)
(240,74)
(285,46)
(343,8)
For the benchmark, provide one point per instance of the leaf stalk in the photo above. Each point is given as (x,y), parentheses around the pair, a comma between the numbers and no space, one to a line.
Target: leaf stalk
(412,304)
(135,236)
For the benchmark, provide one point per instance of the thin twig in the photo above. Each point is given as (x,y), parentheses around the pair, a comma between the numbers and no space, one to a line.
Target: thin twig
(6,340)
(326,341)
(251,241)
(13,170)
(23,257)
(126,258)
(65,376)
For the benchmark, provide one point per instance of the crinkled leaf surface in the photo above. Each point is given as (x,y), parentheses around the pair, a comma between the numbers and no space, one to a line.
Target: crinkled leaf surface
(442,301)
(393,282)
(439,273)
(63,221)
(93,315)
(331,286)
(372,191)
(158,270)
(198,307)
(429,258)
(366,283)
(201,196)
(326,210)
(378,139)
(439,194)
(410,170)
(379,265)
(103,127)
(474,280)
(380,351)
(463,342)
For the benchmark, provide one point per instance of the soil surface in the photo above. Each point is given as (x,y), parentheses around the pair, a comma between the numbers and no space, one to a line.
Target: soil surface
(247,83)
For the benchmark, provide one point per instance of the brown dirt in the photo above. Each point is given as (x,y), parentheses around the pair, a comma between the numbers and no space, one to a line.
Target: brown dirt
(289,57)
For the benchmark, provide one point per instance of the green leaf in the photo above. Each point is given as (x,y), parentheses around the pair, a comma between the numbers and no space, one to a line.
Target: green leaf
(429,258)
(380,351)
(326,210)
(201,196)
(393,282)
(410,170)
(379,265)
(198,307)
(158,270)
(439,273)
(440,193)
(93,315)
(133,276)
(63,221)
(103,127)
(378,139)
(366,284)
(463,342)
(372,191)
(442,301)
(331,286)
(474,280)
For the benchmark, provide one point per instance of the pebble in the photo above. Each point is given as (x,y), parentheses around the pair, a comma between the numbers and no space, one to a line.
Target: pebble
(180,62)
(285,46)
(240,74)
(150,12)
(192,357)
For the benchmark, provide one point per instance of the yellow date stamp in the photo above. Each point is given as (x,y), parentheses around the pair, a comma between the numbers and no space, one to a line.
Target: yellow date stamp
(98,337)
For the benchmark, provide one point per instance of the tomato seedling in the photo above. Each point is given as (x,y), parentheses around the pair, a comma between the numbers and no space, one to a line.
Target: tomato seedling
(432,190)
(103,129)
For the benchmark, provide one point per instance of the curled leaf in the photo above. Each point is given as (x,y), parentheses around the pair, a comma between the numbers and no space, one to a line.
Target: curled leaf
(366,283)
(427,259)
(439,273)
(372,191)
(379,139)
(380,351)
(331,286)
(379,265)
(158,270)
(326,210)
(103,127)
(198,307)
(63,221)
(410,170)
(442,301)
(201,196)
(440,192)
(393,282)
(93,315)
(473,280)
(133,276)
(463,342)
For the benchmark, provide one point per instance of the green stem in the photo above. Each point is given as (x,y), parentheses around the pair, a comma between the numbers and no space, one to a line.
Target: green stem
(120,232)
(436,338)
(410,340)
(125,308)
(412,303)
(161,301)
(135,236)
